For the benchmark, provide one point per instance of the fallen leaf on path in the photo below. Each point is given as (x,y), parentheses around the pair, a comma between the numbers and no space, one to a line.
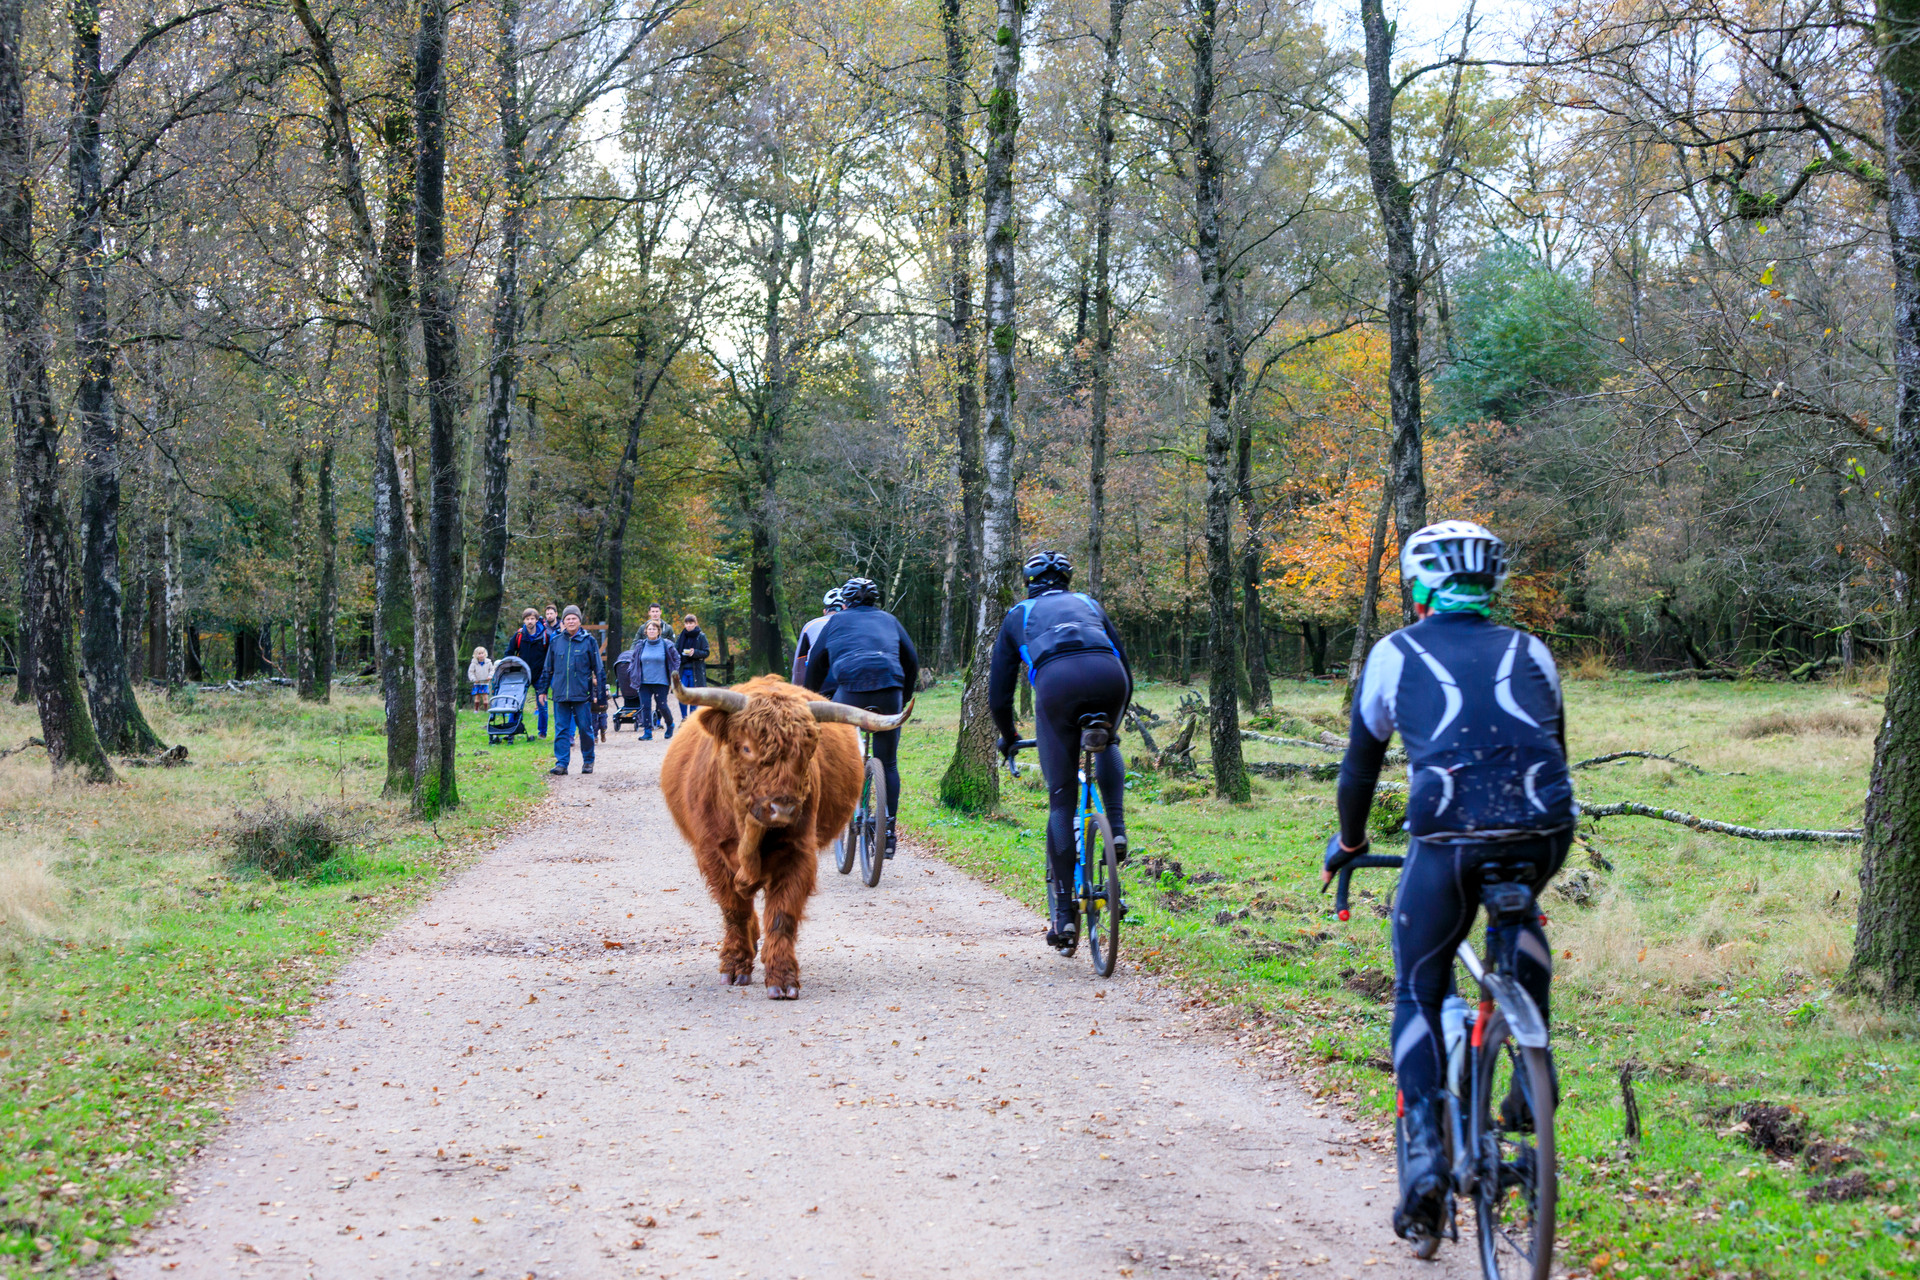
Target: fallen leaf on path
(611,945)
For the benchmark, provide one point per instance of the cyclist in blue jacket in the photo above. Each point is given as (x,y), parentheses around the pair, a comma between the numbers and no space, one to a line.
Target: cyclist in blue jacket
(867,659)
(1479,712)
(1078,667)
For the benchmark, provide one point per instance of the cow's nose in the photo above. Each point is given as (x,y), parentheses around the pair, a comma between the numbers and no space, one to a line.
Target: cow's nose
(775,811)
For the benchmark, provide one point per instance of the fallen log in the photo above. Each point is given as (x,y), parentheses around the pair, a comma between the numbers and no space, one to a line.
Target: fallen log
(1611,756)
(1628,808)
(14,751)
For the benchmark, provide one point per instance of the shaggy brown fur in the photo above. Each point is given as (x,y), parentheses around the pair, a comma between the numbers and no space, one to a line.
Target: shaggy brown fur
(757,794)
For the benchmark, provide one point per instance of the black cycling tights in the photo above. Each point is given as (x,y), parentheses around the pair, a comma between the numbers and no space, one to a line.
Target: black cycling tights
(1066,689)
(886,746)
(1432,915)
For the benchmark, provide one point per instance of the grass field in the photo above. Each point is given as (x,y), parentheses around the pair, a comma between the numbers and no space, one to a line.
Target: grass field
(142,977)
(1708,963)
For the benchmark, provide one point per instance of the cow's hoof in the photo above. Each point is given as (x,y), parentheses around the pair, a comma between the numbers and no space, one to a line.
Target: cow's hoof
(738,979)
(783,993)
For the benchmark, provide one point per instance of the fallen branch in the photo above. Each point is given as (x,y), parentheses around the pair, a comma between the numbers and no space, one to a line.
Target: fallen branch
(1628,808)
(1611,756)
(14,751)
(172,759)
(1248,735)
(1287,769)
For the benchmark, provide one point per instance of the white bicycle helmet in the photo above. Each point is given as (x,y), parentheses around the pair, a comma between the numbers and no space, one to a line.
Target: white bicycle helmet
(1437,554)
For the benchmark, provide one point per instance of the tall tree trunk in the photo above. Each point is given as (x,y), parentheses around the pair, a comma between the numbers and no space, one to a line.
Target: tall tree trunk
(1395,200)
(173,607)
(326,597)
(944,662)
(765,649)
(116,713)
(1222,358)
(65,724)
(972,779)
(1103,201)
(1886,949)
(440,345)
(302,574)
(1253,560)
(958,330)
(1364,629)
(503,363)
(23,635)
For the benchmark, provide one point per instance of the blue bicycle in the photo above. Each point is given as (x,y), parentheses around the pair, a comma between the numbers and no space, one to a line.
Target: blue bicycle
(1096,872)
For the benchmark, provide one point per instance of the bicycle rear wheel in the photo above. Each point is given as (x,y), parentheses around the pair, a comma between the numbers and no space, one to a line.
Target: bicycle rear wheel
(1101,867)
(843,846)
(872,822)
(1518,1187)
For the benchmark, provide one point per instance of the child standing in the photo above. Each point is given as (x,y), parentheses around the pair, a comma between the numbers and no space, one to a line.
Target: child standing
(480,678)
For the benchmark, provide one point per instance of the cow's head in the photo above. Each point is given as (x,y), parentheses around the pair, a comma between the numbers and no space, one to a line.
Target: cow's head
(766,738)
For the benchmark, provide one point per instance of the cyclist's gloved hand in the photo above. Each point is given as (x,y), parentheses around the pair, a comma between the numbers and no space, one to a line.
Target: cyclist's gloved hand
(1338,857)
(1004,747)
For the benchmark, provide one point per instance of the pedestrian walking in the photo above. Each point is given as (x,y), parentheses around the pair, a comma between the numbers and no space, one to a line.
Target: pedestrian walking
(480,678)
(693,647)
(575,679)
(652,664)
(529,644)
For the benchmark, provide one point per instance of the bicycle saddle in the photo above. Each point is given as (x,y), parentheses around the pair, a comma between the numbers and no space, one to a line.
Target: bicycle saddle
(1095,732)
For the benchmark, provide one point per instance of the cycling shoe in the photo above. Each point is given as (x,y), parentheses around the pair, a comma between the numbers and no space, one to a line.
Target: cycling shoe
(1424,1187)
(1120,849)
(1063,929)
(1516,1116)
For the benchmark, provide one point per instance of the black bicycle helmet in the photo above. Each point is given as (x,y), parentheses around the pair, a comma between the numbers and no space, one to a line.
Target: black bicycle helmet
(859,591)
(1047,568)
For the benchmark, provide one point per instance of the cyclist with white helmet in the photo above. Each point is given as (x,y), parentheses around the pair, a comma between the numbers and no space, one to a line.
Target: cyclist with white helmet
(1074,659)
(803,647)
(867,659)
(1479,711)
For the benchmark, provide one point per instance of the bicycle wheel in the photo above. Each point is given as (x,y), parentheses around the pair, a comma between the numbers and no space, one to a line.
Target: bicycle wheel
(843,847)
(1517,1189)
(872,821)
(1102,903)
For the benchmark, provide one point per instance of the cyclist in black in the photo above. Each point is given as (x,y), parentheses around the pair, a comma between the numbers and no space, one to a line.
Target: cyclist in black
(1479,712)
(867,659)
(1077,665)
(803,647)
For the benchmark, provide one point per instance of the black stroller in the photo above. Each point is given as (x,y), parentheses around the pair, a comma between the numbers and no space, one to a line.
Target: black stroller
(629,711)
(512,681)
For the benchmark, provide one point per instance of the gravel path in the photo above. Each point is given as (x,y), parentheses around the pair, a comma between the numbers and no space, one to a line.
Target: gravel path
(496,1090)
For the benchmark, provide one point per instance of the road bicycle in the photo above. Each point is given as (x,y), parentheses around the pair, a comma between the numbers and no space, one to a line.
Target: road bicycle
(1499,1097)
(865,838)
(1096,871)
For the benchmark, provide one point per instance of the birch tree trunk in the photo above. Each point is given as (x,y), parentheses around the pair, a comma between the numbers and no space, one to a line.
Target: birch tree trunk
(440,344)
(302,575)
(326,598)
(1364,630)
(1221,359)
(55,679)
(116,714)
(972,779)
(503,362)
(1886,949)
(1101,373)
(958,328)
(1395,200)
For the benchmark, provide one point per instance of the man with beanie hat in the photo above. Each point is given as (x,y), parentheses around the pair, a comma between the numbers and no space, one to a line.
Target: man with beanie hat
(574,677)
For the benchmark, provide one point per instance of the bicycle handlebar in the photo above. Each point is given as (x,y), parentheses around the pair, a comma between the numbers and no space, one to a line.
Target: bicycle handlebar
(1345,874)
(1019,745)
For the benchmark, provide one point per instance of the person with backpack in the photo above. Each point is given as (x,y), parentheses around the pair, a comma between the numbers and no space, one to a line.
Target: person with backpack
(529,644)
(692,644)
(1075,661)
(867,659)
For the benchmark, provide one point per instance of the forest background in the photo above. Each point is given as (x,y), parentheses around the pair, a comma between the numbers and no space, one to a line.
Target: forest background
(335,334)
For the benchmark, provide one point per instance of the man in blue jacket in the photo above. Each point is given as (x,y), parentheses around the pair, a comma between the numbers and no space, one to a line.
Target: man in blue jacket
(574,678)
(867,658)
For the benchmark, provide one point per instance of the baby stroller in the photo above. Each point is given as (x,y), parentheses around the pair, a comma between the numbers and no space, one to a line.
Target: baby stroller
(512,679)
(629,712)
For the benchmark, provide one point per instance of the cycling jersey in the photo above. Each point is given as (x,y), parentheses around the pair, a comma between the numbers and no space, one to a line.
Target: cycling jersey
(1478,709)
(1048,626)
(862,649)
(803,647)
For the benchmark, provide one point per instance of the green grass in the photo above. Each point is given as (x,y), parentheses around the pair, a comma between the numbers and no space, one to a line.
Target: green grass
(141,982)
(1710,962)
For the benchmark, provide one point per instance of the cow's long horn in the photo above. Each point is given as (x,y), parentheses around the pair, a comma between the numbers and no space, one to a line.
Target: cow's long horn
(859,717)
(719,699)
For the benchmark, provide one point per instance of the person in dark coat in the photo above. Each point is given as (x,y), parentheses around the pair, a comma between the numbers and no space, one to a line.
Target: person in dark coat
(692,644)
(867,658)
(529,644)
(652,664)
(575,679)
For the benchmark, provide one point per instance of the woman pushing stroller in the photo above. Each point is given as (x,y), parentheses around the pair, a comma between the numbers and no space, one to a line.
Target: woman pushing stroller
(651,664)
